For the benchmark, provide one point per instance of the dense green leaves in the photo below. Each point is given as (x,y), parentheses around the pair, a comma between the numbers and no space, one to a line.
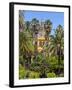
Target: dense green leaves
(51,75)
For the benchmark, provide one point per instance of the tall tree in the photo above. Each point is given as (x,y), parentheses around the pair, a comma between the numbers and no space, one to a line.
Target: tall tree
(57,44)
(35,28)
(48,26)
(27,25)
(26,47)
(35,25)
(57,40)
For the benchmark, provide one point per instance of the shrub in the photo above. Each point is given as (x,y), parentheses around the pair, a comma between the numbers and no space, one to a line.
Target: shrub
(33,74)
(53,63)
(51,75)
(22,72)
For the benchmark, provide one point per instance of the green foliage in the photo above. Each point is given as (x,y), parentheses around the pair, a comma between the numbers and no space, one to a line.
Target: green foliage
(57,41)
(39,57)
(21,60)
(33,74)
(53,63)
(35,67)
(25,43)
(40,65)
(48,23)
(51,75)
(22,72)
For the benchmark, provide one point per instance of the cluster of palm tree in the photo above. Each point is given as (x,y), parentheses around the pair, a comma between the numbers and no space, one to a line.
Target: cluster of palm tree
(54,47)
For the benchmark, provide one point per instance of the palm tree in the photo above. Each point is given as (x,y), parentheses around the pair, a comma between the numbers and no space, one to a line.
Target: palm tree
(34,26)
(26,47)
(24,35)
(57,44)
(25,41)
(21,21)
(48,26)
(27,25)
(57,40)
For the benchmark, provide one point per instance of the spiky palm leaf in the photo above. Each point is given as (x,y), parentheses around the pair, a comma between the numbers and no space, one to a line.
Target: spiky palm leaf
(56,39)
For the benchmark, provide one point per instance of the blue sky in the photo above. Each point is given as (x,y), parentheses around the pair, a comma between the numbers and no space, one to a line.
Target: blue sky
(55,17)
